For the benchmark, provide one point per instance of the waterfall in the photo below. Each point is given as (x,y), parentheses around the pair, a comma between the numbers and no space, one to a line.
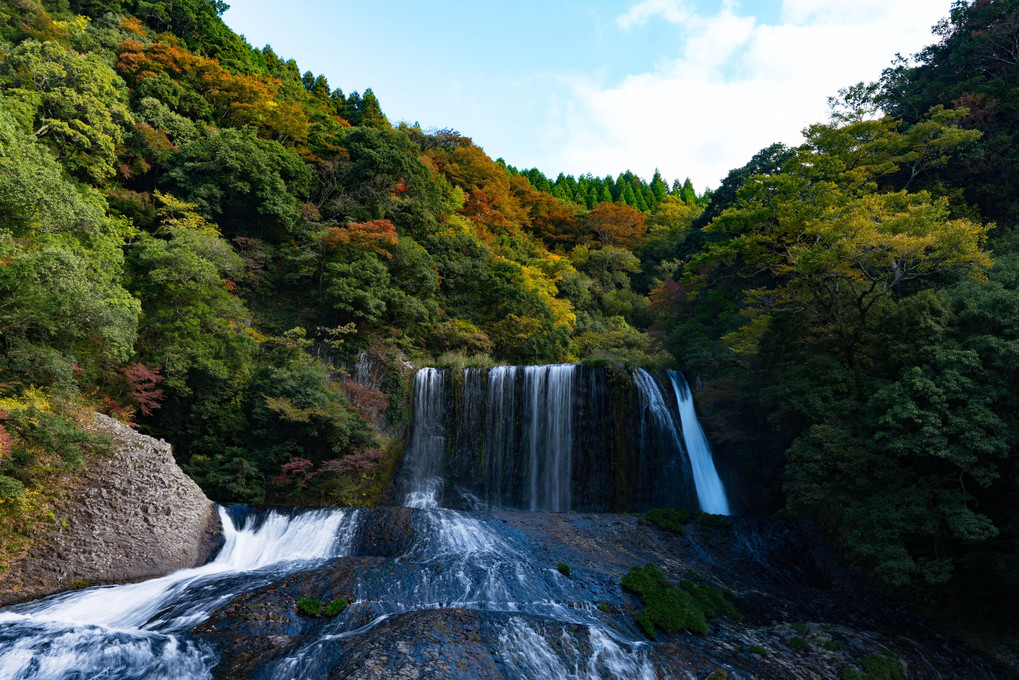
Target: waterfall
(139,630)
(553,438)
(427,438)
(710,492)
(548,391)
(520,423)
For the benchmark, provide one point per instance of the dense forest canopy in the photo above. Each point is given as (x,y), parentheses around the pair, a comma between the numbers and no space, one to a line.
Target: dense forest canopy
(200,238)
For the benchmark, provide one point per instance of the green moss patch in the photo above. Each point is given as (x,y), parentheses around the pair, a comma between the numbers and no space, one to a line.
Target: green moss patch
(688,607)
(309,606)
(798,643)
(883,666)
(335,607)
(670,519)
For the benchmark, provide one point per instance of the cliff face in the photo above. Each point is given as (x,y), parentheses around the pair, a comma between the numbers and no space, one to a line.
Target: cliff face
(130,515)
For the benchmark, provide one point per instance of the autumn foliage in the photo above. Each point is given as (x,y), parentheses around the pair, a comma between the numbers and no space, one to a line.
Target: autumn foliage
(616,224)
(236,100)
(374,235)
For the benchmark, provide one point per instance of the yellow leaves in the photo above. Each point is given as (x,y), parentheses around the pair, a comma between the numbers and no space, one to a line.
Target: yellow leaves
(287,410)
(890,238)
(536,281)
(73,27)
(132,25)
(456,226)
(177,214)
(255,335)
(29,399)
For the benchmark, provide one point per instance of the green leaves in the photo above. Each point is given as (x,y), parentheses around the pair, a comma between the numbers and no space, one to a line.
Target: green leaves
(79,104)
(61,302)
(250,186)
(823,246)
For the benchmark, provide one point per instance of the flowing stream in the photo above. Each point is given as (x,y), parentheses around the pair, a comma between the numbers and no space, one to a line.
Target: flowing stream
(139,630)
(525,435)
(472,562)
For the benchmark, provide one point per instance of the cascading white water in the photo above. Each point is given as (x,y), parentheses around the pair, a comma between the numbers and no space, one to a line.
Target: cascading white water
(427,444)
(486,418)
(710,491)
(135,629)
(549,394)
(531,654)
(548,439)
(474,562)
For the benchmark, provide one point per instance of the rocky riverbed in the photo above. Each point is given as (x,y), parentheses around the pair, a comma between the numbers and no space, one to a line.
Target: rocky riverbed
(423,610)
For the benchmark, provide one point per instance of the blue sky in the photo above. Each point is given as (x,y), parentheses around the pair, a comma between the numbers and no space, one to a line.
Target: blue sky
(691,87)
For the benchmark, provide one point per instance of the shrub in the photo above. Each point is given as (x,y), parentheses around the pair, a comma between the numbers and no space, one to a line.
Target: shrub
(833,645)
(759,651)
(309,606)
(563,568)
(670,519)
(10,487)
(801,628)
(670,608)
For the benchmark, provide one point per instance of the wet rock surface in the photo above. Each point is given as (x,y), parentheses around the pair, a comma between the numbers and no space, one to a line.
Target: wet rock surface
(400,624)
(132,515)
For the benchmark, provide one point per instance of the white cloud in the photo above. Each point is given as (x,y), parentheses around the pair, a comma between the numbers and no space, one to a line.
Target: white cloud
(735,86)
(672,11)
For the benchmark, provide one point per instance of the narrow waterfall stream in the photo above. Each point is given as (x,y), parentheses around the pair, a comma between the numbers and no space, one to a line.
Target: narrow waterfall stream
(710,491)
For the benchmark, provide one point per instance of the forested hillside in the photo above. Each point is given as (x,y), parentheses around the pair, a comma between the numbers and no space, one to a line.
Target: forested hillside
(197,237)
(202,239)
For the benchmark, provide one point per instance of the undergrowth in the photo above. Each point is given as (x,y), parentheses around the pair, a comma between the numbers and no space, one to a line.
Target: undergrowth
(43,441)
(687,607)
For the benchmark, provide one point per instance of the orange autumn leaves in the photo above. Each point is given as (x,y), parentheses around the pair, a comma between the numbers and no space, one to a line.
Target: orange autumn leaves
(236,100)
(373,235)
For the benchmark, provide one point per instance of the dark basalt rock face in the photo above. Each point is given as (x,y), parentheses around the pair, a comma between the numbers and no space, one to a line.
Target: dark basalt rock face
(422,609)
(546,438)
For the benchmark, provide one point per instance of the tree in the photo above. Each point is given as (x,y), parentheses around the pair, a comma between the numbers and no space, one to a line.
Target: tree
(251,186)
(825,247)
(78,104)
(193,327)
(64,315)
(616,224)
